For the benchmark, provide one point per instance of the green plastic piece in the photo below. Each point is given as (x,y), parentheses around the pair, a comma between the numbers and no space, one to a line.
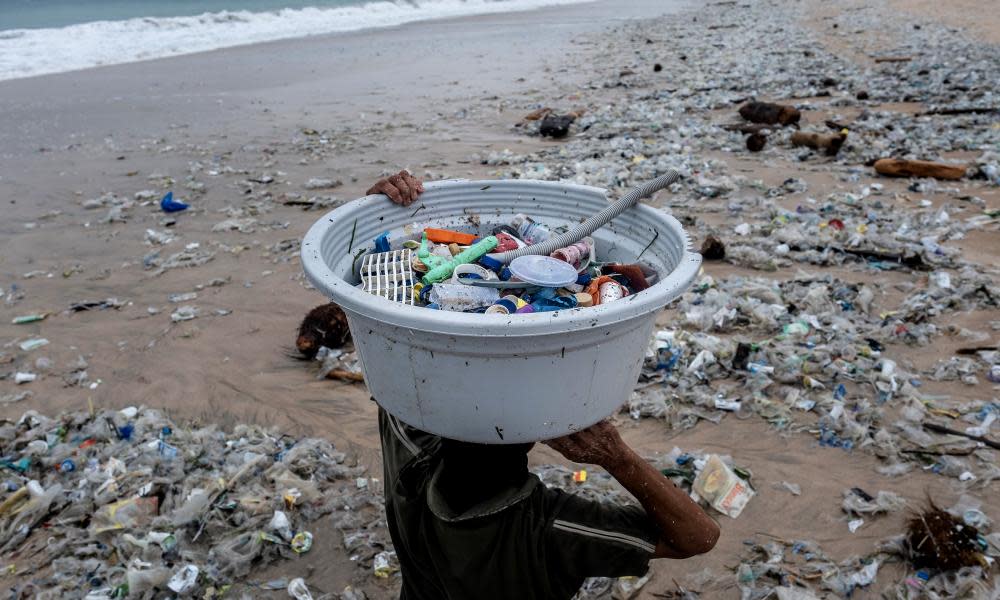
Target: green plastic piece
(28,319)
(440,271)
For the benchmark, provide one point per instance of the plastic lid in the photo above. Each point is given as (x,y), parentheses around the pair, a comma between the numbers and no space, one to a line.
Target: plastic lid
(543,271)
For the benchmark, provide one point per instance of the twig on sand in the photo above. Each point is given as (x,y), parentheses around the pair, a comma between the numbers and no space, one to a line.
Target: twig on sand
(948,430)
(968,110)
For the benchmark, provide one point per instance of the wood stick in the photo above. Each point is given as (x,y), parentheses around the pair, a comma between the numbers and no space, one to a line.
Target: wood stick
(974,110)
(898,167)
(978,438)
(829,143)
(345,375)
(892,59)
(770,113)
(748,128)
(937,452)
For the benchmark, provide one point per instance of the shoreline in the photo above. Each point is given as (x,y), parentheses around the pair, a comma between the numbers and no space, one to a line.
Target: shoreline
(156,37)
(216,89)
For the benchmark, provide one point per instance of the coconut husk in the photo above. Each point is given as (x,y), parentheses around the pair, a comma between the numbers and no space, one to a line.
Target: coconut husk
(325,325)
(936,539)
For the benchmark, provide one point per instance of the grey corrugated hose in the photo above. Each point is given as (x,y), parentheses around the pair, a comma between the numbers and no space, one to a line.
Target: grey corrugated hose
(595,222)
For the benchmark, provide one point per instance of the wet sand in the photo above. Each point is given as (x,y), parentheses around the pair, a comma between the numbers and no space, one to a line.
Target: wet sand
(427,96)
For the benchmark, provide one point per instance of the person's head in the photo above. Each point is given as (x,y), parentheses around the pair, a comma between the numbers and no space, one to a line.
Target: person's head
(499,461)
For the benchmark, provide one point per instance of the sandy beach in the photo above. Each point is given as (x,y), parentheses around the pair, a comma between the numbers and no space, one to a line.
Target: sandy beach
(239,133)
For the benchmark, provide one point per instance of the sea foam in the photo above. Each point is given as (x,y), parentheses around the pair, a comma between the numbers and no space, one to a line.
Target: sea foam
(30,52)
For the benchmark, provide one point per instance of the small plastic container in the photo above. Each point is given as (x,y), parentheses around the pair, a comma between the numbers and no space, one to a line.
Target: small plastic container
(543,271)
(460,297)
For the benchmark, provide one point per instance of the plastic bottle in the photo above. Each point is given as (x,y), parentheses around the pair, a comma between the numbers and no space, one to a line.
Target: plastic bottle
(530,231)
(459,297)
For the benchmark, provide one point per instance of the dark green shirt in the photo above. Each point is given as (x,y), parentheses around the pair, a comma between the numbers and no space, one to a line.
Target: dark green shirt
(526,542)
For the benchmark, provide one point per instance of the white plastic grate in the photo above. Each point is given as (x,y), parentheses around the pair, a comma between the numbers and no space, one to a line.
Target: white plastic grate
(389,275)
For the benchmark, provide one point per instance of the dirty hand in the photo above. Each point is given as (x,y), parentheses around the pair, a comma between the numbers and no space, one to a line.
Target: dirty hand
(402,188)
(599,444)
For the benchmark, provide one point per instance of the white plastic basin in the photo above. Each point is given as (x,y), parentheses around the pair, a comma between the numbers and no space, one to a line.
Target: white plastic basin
(492,378)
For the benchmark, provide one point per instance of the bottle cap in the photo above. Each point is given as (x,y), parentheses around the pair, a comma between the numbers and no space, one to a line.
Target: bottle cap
(518,303)
(491,263)
(502,306)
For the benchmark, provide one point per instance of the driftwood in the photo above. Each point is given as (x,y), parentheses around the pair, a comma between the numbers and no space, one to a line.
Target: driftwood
(830,143)
(748,127)
(756,142)
(766,112)
(971,110)
(947,430)
(913,261)
(898,167)
(537,114)
(343,375)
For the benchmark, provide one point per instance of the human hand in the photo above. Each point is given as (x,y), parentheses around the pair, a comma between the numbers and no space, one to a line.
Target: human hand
(402,188)
(599,444)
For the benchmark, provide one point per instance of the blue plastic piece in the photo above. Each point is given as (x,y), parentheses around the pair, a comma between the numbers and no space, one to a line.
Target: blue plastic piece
(167,451)
(583,279)
(546,299)
(491,264)
(382,243)
(169,205)
(125,432)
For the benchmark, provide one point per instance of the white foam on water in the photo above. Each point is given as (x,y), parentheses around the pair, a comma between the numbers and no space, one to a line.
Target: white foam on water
(30,52)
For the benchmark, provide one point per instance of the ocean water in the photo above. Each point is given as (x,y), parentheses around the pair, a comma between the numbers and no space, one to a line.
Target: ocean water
(38,37)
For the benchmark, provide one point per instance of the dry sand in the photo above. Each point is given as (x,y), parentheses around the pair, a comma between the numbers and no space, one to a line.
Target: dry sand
(428,95)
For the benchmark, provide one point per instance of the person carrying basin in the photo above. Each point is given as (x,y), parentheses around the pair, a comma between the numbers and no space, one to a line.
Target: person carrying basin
(469,521)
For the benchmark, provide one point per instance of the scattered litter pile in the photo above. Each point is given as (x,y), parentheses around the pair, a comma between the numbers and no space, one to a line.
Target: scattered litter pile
(810,351)
(799,569)
(950,557)
(458,271)
(126,503)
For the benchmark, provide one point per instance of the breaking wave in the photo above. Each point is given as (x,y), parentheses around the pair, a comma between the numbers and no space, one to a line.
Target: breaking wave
(30,52)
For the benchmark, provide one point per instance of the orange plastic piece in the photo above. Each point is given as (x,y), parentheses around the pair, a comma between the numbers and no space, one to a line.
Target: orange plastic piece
(595,285)
(447,236)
